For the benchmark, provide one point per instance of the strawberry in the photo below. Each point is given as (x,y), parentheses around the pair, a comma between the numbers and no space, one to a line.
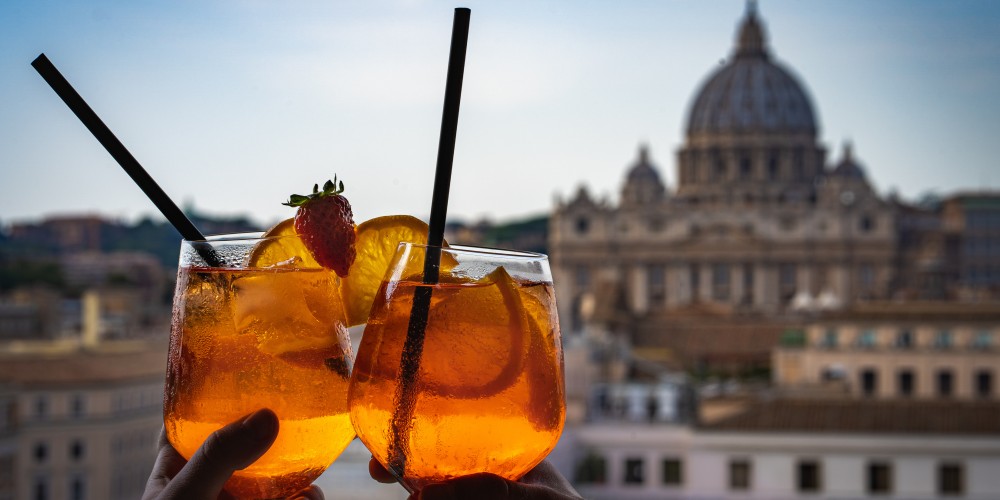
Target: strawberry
(325,224)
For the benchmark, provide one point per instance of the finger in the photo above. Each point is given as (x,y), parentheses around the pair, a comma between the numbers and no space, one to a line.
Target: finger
(379,473)
(310,493)
(545,474)
(226,450)
(485,486)
(168,464)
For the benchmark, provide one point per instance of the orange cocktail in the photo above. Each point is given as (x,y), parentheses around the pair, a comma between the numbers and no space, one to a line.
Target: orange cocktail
(489,393)
(252,332)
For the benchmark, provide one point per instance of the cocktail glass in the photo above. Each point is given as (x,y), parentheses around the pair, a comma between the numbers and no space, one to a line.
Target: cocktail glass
(488,393)
(249,333)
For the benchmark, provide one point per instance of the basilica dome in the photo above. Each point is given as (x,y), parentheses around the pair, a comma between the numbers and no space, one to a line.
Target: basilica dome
(751,93)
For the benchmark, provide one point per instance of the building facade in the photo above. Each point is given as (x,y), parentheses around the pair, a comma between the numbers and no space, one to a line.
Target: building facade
(905,350)
(759,220)
(80,423)
(794,449)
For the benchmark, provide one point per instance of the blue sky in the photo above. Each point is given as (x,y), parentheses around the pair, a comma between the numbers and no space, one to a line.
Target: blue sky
(234,105)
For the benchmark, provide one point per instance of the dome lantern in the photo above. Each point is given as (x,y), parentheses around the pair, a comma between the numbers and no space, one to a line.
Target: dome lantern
(751,41)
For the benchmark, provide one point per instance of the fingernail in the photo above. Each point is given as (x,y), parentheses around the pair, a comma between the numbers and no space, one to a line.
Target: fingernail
(261,425)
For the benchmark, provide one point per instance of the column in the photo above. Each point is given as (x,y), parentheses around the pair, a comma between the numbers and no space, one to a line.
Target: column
(705,285)
(678,285)
(735,283)
(637,281)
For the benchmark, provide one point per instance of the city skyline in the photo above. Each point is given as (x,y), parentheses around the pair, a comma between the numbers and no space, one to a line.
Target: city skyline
(557,94)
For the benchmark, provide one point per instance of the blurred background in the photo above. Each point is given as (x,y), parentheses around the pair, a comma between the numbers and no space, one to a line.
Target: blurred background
(774,226)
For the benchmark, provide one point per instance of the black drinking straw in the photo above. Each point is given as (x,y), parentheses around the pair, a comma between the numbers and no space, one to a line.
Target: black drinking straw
(405,398)
(118,151)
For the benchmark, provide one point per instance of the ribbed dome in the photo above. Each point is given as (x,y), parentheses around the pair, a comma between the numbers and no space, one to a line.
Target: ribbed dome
(751,92)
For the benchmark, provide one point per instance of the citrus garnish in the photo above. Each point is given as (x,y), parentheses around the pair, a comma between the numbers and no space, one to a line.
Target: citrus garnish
(375,245)
(281,246)
(478,335)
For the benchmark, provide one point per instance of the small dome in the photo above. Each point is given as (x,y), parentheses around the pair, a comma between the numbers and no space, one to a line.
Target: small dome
(642,183)
(848,167)
(751,93)
(643,171)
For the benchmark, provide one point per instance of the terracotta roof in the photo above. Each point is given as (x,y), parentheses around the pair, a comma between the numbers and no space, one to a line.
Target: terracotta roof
(865,417)
(82,366)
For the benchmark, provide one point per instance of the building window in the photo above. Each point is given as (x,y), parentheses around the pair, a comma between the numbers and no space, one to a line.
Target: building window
(983,341)
(747,283)
(869,382)
(41,408)
(77,406)
(866,339)
(798,158)
(906,383)
(786,281)
(720,170)
(904,339)
(945,383)
(77,450)
(746,168)
(739,475)
(809,476)
(673,471)
(582,277)
(41,452)
(866,223)
(694,276)
(943,340)
(592,469)
(720,281)
(41,488)
(984,383)
(866,275)
(951,479)
(829,339)
(78,488)
(633,471)
(656,283)
(879,478)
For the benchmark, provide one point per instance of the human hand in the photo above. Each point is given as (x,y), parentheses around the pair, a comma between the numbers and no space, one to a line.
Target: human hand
(541,483)
(226,450)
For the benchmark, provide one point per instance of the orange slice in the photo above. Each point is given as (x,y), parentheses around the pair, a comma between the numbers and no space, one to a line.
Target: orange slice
(375,245)
(281,245)
(476,338)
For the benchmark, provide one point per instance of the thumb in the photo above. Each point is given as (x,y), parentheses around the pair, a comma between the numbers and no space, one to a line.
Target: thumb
(226,450)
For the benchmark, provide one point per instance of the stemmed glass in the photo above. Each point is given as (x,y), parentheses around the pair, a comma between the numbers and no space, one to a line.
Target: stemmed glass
(252,330)
(488,395)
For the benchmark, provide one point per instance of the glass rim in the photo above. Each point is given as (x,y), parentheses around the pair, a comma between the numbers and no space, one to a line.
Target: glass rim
(493,251)
(226,237)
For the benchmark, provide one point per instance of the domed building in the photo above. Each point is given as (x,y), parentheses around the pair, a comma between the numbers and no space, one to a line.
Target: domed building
(758,225)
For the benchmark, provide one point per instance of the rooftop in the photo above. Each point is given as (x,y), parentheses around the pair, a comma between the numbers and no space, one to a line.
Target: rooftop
(865,417)
(52,363)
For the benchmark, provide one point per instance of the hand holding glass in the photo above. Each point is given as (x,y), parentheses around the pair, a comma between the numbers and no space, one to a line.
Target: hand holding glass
(253,334)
